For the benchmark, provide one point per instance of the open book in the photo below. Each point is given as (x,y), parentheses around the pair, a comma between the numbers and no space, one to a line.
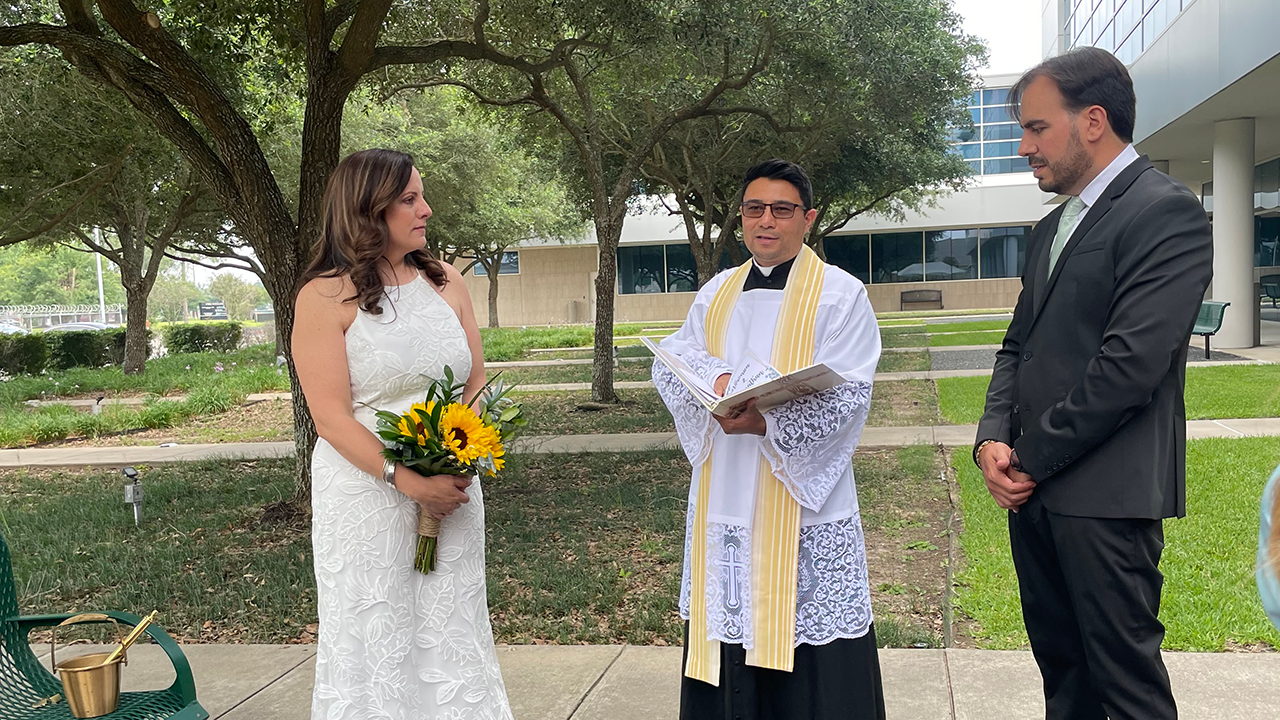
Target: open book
(753,378)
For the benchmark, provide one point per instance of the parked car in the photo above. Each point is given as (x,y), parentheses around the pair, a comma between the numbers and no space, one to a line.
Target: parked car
(78,326)
(11,329)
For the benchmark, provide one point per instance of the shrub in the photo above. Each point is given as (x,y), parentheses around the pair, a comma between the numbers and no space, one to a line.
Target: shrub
(203,337)
(78,348)
(115,344)
(24,354)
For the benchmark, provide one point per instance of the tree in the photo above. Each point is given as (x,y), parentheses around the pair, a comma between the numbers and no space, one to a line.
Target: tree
(486,191)
(675,61)
(238,296)
(207,76)
(55,275)
(869,146)
(62,136)
(171,296)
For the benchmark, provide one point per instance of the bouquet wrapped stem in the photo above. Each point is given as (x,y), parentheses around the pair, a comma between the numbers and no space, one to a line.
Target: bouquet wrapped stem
(428,538)
(448,435)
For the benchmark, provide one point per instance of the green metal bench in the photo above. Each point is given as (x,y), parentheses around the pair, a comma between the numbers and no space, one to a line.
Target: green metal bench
(1209,321)
(1271,287)
(24,682)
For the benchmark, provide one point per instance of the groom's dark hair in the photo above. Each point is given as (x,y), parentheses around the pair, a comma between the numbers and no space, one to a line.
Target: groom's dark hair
(775,169)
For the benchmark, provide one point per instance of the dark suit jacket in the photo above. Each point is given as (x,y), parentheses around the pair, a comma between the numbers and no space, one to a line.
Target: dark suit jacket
(1088,384)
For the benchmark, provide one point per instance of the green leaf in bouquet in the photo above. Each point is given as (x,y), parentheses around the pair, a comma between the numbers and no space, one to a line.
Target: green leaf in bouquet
(510,414)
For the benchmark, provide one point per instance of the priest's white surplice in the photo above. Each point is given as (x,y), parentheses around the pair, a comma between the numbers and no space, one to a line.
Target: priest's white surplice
(809,444)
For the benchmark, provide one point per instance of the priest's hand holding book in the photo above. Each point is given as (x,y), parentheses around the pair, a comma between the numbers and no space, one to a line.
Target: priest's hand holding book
(743,419)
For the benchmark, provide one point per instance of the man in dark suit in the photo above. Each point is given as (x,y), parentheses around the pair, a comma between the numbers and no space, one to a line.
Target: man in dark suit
(1084,435)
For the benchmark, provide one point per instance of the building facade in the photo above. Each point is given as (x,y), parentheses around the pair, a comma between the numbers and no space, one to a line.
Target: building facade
(1207,76)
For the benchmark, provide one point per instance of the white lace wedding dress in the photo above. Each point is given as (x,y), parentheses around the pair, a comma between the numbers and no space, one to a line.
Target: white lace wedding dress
(396,644)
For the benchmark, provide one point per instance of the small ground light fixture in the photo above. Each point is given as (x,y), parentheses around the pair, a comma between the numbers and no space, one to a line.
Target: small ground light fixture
(133,494)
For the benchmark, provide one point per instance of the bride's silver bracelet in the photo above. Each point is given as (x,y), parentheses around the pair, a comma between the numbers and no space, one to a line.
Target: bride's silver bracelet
(389,472)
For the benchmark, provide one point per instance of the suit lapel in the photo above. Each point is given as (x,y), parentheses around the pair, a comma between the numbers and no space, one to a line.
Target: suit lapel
(1091,218)
(1038,256)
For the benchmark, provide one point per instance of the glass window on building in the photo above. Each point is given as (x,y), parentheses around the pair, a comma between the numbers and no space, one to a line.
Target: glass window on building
(851,253)
(1266,241)
(510,264)
(1123,27)
(951,254)
(897,257)
(682,272)
(1003,251)
(641,270)
(992,146)
(726,257)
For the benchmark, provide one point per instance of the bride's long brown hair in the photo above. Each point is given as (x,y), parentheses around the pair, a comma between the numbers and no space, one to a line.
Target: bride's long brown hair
(354,231)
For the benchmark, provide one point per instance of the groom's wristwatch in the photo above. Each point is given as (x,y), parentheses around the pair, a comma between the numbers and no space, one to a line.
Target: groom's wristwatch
(1014,462)
(389,472)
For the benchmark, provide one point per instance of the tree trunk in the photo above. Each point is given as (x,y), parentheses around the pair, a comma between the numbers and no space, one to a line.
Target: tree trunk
(135,328)
(492,271)
(608,233)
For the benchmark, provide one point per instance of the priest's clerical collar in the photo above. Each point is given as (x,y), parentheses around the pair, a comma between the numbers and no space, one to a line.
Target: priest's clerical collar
(770,278)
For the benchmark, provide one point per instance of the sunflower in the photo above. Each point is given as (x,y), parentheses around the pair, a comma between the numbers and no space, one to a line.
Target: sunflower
(466,436)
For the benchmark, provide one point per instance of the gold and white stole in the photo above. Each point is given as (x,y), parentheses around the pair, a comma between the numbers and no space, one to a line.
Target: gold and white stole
(775,532)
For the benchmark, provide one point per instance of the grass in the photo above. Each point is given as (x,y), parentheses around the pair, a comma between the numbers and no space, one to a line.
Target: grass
(1209,603)
(1233,391)
(581,549)
(990,337)
(903,403)
(557,413)
(904,506)
(903,362)
(970,326)
(550,374)
(208,392)
(253,368)
(514,343)
(1213,393)
(896,315)
(907,337)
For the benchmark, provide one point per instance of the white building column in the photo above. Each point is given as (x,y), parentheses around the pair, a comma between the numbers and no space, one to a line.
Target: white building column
(1233,147)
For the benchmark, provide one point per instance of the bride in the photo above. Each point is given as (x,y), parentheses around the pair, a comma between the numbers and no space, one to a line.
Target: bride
(377,318)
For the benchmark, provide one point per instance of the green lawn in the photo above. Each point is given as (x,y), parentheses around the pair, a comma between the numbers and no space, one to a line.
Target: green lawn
(513,343)
(970,326)
(1210,602)
(909,337)
(581,548)
(989,337)
(903,362)
(1213,393)
(208,391)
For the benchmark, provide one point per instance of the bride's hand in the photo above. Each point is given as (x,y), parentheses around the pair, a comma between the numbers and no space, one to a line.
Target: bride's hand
(438,495)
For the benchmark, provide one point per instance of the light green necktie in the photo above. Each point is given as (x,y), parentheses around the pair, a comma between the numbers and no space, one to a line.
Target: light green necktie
(1066,224)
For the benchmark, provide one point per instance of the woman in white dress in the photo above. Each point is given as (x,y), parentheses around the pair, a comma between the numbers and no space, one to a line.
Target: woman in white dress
(378,317)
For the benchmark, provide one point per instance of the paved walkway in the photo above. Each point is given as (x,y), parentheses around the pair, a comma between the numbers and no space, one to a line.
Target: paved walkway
(872,437)
(609,682)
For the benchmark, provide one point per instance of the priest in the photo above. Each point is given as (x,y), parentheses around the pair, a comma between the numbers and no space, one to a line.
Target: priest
(775,590)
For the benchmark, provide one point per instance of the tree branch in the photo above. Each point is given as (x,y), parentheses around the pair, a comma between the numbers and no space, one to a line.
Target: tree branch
(112,171)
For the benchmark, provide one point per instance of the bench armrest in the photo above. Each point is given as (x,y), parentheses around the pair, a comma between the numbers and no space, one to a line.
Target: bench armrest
(184,684)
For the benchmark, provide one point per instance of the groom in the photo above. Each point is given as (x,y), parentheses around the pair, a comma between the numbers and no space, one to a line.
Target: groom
(775,585)
(1084,435)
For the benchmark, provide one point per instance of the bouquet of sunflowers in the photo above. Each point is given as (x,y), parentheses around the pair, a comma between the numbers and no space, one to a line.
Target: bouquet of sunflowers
(443,435)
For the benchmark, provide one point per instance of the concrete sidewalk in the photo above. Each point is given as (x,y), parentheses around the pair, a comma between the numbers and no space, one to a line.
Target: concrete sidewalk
(872,437)
(609,682)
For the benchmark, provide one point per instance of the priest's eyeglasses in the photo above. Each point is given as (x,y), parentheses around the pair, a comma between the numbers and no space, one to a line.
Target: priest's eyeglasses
(781,210)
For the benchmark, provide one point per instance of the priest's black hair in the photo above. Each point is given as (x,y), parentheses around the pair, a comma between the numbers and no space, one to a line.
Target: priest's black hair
(776,169)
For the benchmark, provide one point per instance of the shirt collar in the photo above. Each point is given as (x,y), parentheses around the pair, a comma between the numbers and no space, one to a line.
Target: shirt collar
(1095,188)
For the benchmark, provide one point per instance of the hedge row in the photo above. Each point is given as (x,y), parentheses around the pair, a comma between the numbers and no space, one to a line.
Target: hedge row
(34,353)
(203,337)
